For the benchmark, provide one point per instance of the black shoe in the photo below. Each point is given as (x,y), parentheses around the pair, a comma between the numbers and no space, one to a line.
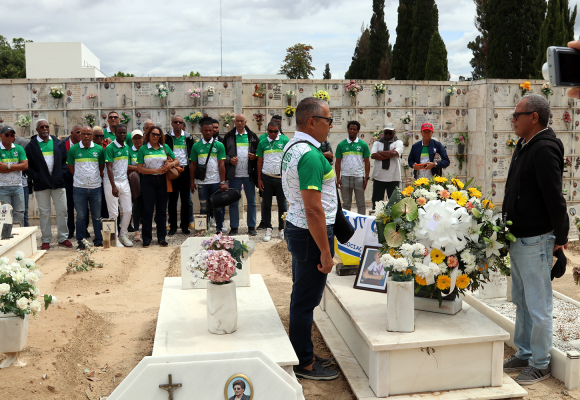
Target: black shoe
(130,228)
(532,375)
(318,373)
(252,232)
(325,362)
(171,232)
(261,226)
(233,232)
(514,364)
(71,235)
(163,243)
(98,244)
(146,244)
(186,231)
(81,246)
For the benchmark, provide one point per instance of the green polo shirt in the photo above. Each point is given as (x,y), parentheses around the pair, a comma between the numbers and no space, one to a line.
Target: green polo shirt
(180,149)
(271,152)
(133,151)
(111,136)
(199,154)
(352,155)
(47,149)
(153,159)
(86,161)
(119,156)
(12,156)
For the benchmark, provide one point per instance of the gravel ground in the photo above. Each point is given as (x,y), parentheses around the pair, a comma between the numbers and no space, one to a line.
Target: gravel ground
(566,323)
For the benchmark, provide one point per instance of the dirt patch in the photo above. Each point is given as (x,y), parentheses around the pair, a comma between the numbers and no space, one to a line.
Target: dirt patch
(174,268)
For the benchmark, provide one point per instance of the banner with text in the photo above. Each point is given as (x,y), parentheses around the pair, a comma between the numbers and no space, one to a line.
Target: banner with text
(365,234)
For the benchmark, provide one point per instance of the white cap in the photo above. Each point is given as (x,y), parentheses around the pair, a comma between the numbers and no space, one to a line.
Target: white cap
(135,133)
(389,126)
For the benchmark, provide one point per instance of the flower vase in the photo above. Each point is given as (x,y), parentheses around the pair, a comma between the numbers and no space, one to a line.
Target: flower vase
(400,306)
(289,101)
(222,308)
(56,102)
(289,121)
(259,126)
(210,97)
(460,149)
(567,126)
(509,288)
(93,103)
(379,95)
(352,101)
(447,100)
(406,140)
(13,331)
(407,127)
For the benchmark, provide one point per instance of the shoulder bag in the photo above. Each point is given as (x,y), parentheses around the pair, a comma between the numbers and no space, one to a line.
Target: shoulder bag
(200,170)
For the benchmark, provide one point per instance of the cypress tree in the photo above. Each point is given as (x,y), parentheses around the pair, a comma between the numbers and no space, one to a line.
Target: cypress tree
(569,18)
(554,32)
(402,48)
(514,31)
(358,65)
(326,74)
(480,46)
(436,65)
(425,23)
(379,40)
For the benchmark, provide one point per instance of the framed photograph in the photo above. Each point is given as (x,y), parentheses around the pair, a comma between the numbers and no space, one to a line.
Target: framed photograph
(371,274)
(239,387)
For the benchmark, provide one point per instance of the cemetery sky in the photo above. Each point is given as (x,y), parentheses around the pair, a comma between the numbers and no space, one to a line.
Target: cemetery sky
(151,38)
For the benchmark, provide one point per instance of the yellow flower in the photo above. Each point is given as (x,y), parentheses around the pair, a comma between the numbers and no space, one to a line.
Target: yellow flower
(459,198)
(440,179)
(394,253)
(407,191)
(421,181)
(443,282)
(437,256)
(420,281)
(488,204)
(457,183)
(462,281)
(408,271)
(473,192)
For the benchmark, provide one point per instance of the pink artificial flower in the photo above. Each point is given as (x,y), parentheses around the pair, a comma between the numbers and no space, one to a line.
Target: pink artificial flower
(421,201)
(444,194)
(470,206)
(220,266)
(452,262)
(461,139)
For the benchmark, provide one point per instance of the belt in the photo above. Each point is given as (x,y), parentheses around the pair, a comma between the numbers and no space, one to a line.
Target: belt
(272,175)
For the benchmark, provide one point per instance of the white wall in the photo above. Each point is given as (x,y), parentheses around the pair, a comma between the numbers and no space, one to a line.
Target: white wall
(60,60)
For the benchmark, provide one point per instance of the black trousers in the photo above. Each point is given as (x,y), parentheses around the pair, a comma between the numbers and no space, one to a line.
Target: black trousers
(272,187)
(181,189)
(154,192)
(70,207)
(379,189)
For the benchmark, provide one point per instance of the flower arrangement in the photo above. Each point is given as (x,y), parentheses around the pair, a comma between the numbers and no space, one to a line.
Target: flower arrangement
(218,260)
(407,118)
(526,88)
(290,111)
(210,90)
(504,265)
(84,261)
(18,290)
(91,96)
(450,91)
(259,118)
(227,118)
(322,95)
(511,144)
(259,91)
(290,94)
(194,93)
(547,89)
(194,118)
(461,236)
(91,119)
(56,92)
(352,88)
(461,157)
(379,88)
(162,91)
(566,117)
(125,118)
(462,138)
(24,120)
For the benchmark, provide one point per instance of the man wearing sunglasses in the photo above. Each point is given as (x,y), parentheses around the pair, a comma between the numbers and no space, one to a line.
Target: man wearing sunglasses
(535,205)
(12,162)
(47,167)
(181,145)
(113,120)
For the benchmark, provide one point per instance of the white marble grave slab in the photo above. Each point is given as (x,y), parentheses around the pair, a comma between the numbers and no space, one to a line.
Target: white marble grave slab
(24,240)
(192,245)
(182,324)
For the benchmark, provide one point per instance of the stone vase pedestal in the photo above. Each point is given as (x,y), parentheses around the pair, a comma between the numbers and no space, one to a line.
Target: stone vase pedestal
(163,101)
(222,308)
(13,334)
(400,306)
(407,127)
(509,288)
(352,101)
(210,97)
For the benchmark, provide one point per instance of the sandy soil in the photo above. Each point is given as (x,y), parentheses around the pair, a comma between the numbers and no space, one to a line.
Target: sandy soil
(105,322)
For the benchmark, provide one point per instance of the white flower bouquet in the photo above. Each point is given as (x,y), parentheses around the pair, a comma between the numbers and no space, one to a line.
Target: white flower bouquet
(24,120)
(210,90)
(162,91)
(290,94)
(407,118)
(56,92)
(379,88)
(18,291)
(451,91)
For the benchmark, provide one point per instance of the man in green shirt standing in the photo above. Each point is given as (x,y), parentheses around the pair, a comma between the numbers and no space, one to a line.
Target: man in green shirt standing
(352,161)
(12,162)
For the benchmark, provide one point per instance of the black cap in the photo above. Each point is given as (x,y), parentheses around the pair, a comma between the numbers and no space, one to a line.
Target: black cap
(6,129)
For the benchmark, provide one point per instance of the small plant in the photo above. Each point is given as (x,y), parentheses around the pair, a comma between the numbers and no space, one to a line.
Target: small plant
(125,118)
(56,92)
(526,88)
(259,118)
(322,95)
(511,144)
(290,94)
(194,118)
(194,93)
(210,90)
(24,120)
(547,89)
(84,261)
(462,138)
(407,118)
(227,118)
(290,111)
(379,88)
(91,96)
(91,119)
(352,88)
(162,91)
(259,91)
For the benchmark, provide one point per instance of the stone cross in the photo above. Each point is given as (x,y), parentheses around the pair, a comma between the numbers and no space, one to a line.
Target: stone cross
(169,387)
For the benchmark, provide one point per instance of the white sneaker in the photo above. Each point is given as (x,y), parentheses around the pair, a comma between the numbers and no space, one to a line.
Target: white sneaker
(268,235)
(119,244)
(126,242)
(281,234)
(225,230)
(212,223)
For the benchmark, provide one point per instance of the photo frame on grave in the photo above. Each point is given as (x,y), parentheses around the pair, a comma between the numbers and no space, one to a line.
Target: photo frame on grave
(370,266)
(6,222)
(242,383)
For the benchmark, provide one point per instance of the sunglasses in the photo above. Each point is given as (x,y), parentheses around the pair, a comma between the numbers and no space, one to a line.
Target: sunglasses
(178,122)
(517,114)
(156,134)
(113,117)
(98,136)
(273,131)
(328,119)
(10,134)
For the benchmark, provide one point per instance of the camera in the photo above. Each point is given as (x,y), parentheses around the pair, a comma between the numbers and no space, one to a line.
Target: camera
(563,66)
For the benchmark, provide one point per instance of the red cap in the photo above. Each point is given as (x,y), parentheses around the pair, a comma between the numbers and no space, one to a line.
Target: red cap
(427,127)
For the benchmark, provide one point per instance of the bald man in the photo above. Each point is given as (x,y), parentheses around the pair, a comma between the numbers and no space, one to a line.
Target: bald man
(47,168)
(241,171)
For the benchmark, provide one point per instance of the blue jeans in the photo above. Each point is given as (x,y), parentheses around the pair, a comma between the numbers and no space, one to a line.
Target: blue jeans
(26,195)
(531,264)
(250,190)
(14,195)
(83,198)
(307,287)
(205,192)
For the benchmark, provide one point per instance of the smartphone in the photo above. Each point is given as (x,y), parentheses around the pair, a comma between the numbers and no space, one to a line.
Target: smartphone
(421,166)
(562,67)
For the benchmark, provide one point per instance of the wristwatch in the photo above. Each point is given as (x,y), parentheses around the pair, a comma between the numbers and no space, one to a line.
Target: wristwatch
(223,183)
(8,166)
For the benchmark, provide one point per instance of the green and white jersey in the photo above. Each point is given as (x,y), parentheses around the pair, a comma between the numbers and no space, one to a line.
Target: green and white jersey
(86,161)
(243,158)
(153,159)
(179,148)
(271,151)
(133,155)
(111,136)
(353,155)
(47,149)
(199,153)
(305,167)
(119,156)
(11,156)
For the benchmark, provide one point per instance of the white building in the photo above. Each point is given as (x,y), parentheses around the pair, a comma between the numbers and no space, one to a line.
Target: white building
(61,60)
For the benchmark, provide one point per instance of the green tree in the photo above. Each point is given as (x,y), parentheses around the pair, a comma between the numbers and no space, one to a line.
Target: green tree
(569,18)
(385,68)
(298,62)
(193,74)
(480,46)
(514,32)
(436,65)
(327,74)
(358,66)
(403,44)
(12,58)
(121,74)
(379,40)
(425,24)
